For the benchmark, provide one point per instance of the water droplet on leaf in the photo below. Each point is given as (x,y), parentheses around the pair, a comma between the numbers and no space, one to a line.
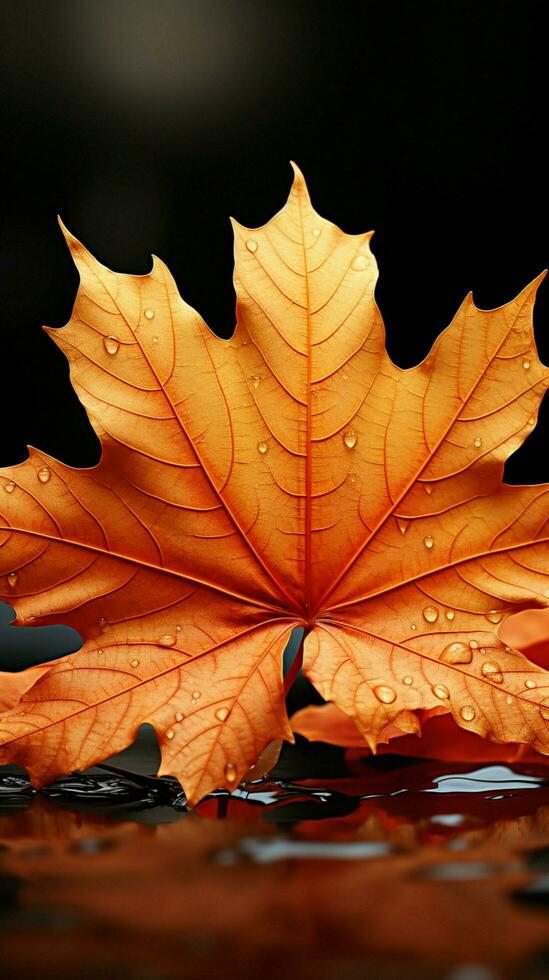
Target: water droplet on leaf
(526,365)
(44,474)
(350,438)
(149,314)
(12,579)
(361,262)
(222,714)
(494,616)
(530,685)
(179,716)
(477,442)
(167,640)
(430,614)
(262,448)
(111,345)
(9,487)
(467,712)
(385,694)
(134,663)
(230,773)
(492,671)
(170,733)
(251,245)
(456,653)
(408,680)
(429,541)
(450,615)
(441,691)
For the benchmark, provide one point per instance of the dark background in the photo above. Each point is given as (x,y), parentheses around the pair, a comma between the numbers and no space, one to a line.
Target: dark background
(146,123)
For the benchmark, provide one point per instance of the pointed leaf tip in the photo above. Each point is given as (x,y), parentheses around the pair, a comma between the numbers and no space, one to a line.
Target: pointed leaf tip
(73,243)
(299,185)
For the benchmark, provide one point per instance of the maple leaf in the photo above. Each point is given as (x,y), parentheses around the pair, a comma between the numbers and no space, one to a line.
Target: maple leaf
(292,476)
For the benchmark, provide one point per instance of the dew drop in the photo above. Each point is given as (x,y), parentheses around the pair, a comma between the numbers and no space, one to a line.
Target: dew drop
(492,671)
(251,245)
(179,716)
(530,685)
(361,262)
(255,379)
(230,773)
(178,628)
(9,487)
(262,448)
(402,525)
(196,695)
(408,680)
(508,699)
(155,340)
(102,621)
(44,474)
(526,365)
(467,712)
(111,345)
(531,420)
(413,626)
(428,487)
(544,711)
(134,663)
(441,692)
(494,616)
(385,694)
(456,653)
(473,644)
(12,579)
(170,733)
(429,541)
(149,314)
(477,442)
(222,714)
(350,438)
(450,615)
(430,614)
(316,232)
(167,640)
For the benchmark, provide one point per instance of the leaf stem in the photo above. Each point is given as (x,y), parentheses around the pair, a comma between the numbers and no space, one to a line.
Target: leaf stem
(296,665)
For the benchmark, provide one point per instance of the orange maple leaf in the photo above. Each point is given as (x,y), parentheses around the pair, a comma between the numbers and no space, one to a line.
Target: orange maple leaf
(292,476)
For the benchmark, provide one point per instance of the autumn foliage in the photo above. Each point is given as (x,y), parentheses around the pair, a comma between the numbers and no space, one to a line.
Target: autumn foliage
(292,476)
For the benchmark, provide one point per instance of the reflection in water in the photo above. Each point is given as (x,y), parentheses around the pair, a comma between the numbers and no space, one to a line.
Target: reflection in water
(486,778)
(424,870)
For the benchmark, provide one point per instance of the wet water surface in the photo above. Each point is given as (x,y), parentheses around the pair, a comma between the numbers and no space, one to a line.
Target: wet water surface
(394,869)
